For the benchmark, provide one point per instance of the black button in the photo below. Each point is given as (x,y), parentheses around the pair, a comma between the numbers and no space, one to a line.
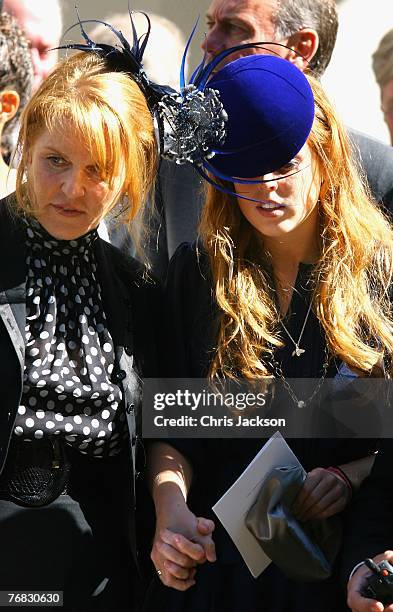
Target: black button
(130,408)
(120,375)
(133,440)
(128,350)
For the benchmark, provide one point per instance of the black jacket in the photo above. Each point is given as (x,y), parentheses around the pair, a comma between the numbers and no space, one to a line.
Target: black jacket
(369,523)
(131,306)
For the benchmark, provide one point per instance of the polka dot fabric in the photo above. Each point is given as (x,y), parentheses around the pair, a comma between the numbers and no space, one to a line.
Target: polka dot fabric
(69,351)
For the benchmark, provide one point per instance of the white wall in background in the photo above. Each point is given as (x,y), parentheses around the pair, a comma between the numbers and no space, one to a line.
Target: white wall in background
(182,12)
(349,78)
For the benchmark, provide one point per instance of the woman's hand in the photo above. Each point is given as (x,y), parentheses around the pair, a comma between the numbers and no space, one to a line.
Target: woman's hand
(323,494)
(181,543)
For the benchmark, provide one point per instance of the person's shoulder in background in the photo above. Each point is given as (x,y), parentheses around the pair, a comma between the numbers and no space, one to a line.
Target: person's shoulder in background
(376,159)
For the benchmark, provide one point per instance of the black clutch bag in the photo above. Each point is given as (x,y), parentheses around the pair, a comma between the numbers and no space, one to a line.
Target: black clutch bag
(303,551)
(36,472)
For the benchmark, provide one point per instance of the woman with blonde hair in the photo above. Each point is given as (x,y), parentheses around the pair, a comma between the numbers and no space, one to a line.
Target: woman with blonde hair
(290,279)
(77,332)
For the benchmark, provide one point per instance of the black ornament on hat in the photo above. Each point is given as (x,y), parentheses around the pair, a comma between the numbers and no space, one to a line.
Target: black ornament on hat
(190,123)
(194,120)
(125,57)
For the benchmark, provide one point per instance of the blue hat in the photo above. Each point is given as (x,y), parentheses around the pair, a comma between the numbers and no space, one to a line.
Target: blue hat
(270,108)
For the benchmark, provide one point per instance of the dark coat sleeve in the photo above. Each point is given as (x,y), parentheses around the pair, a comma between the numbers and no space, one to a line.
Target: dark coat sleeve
(190,331)
(369,521)
(191,315)
(376,159)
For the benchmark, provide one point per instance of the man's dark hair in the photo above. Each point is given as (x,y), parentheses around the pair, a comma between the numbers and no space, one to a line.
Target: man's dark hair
(320,15)
(16,72)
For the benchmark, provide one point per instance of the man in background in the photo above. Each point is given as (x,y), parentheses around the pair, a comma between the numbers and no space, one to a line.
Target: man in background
(383,70)
(41,21)
(16,79)
(307,27)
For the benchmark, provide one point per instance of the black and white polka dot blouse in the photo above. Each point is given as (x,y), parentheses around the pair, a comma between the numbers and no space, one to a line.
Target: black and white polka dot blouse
(69,351)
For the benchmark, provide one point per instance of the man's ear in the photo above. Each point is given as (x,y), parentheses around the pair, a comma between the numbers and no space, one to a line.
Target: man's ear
(9,104)
(304,45)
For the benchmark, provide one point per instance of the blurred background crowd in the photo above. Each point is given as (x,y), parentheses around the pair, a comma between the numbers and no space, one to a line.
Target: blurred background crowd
(349,79)
(360,69)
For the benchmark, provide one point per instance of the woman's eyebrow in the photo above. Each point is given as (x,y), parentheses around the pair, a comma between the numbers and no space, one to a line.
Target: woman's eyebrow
(51,149)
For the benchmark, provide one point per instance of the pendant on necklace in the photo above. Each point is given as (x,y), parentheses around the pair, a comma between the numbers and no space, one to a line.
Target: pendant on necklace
(301,404)
(298,351)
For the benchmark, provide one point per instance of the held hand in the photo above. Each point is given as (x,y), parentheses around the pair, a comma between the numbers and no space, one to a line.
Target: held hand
(180,546)
(355,600)
(323,494)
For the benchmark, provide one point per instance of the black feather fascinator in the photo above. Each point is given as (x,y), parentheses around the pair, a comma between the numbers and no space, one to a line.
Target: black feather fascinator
(123,57)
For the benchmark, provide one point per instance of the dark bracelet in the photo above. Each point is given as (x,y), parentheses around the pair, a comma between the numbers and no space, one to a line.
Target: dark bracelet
(339,472)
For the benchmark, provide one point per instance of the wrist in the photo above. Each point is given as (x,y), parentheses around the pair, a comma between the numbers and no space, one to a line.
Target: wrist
(168,500)
(169,482)
(342,475)
(175,516)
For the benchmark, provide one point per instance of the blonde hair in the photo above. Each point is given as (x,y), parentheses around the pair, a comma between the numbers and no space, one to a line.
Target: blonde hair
(108,111)
(352,276)
(383,60)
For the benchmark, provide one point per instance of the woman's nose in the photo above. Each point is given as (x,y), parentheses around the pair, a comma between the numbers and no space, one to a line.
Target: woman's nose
(73,185)
(270,182)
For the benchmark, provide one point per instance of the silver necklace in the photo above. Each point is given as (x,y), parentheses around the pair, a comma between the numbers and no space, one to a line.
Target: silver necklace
(301,403)
(298,351)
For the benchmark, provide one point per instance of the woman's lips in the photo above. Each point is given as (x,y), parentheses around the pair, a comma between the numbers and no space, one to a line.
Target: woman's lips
(271,209)
(67,211)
